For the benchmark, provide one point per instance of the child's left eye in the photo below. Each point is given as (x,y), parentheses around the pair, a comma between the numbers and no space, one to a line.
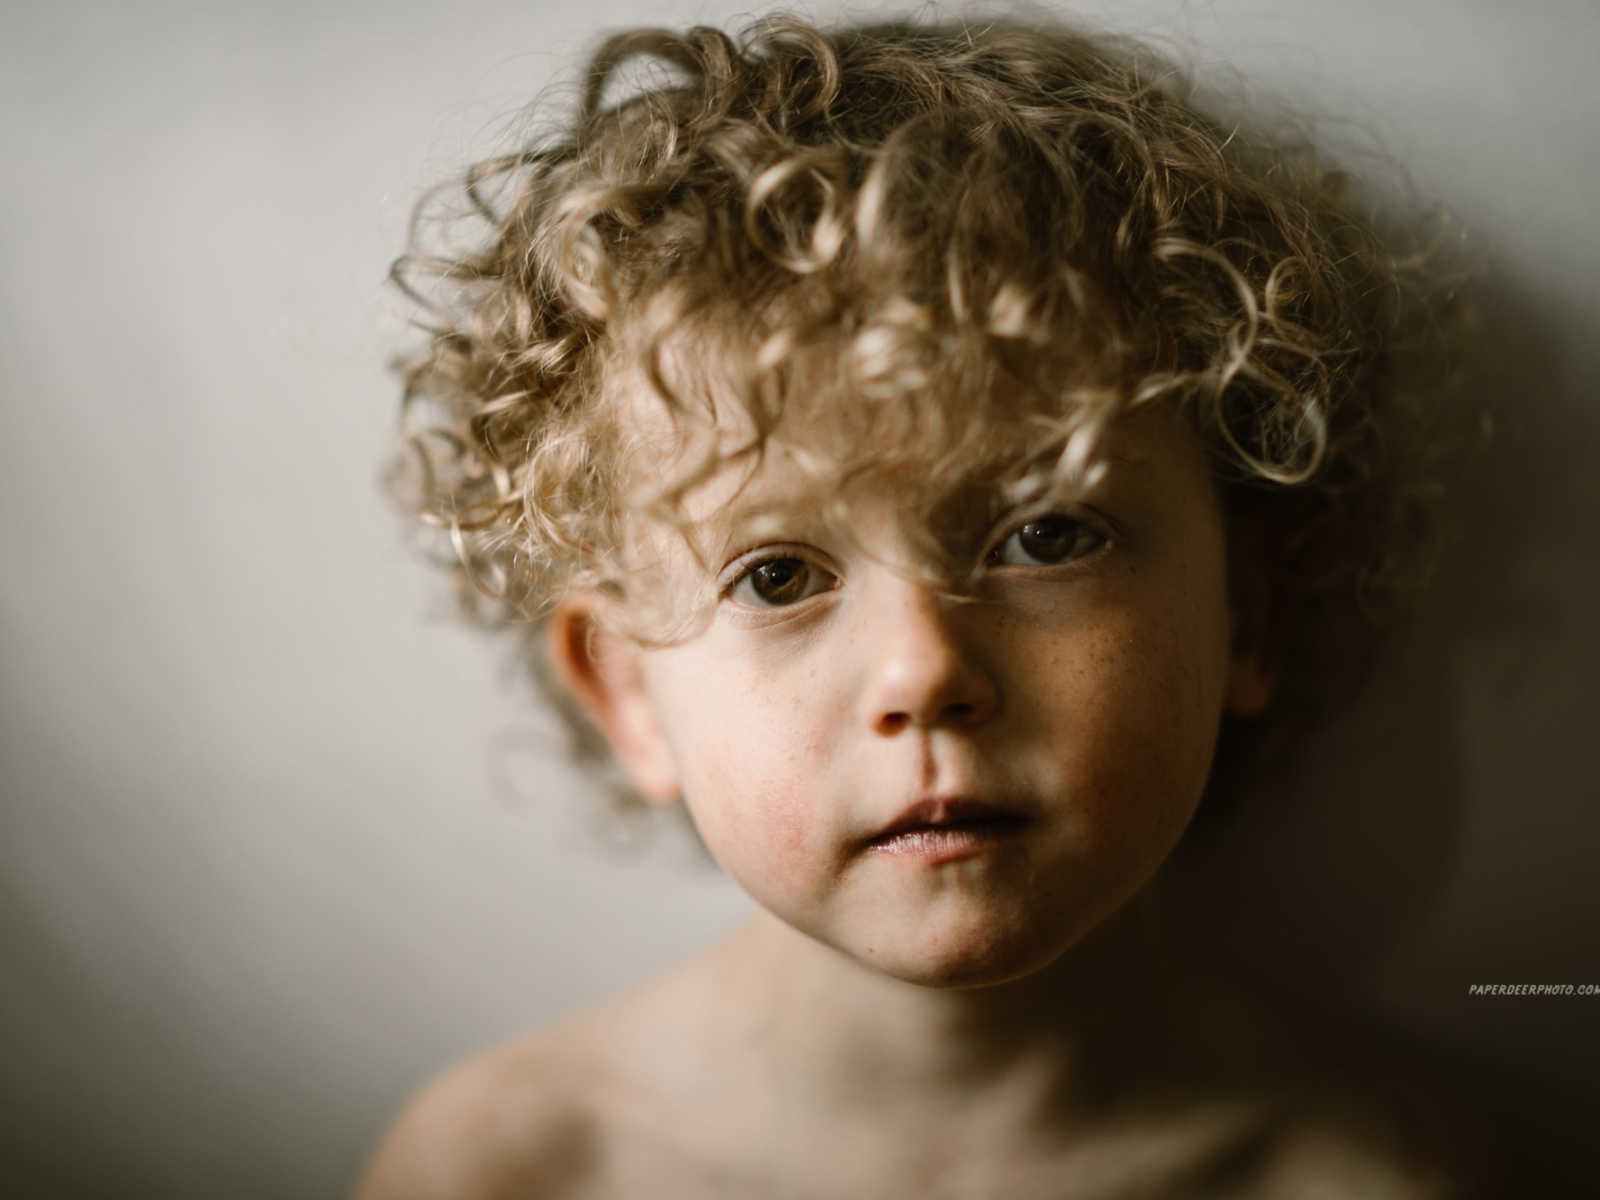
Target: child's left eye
(1047,541)
(777,582)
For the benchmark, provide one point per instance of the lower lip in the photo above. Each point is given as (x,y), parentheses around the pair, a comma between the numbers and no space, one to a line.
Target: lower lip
(942,844)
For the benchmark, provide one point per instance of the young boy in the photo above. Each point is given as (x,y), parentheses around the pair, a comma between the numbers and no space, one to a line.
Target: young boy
(921,444)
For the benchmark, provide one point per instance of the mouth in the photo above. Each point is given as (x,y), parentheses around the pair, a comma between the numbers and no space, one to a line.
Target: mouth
(944,830)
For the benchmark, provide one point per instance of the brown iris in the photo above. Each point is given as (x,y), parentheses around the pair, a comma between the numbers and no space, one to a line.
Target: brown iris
(1050,539)
(780,580)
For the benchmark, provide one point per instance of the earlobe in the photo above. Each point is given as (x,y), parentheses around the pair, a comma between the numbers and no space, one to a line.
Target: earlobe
(601,668)
(1251,683)
(1254,638)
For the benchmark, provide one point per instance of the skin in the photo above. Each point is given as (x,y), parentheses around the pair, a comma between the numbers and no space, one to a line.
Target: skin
(1006,1020)
(1081,690)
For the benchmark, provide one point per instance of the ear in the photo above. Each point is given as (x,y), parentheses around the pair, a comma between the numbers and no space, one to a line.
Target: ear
(601,669)
(1251,683)
(1255,641)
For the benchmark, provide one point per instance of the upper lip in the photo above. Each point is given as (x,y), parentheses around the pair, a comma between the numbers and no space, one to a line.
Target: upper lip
(933,813)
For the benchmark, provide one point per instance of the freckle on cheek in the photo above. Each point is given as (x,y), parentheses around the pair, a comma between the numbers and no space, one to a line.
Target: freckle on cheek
(774,816)
(753,813)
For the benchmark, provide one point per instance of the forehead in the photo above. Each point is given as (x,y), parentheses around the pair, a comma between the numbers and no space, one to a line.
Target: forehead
(698,411)
(948,462)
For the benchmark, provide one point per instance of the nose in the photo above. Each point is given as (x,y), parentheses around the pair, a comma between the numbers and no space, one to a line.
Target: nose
(920,668)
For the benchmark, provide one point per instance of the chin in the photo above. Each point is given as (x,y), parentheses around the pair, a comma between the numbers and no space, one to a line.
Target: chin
(955,962)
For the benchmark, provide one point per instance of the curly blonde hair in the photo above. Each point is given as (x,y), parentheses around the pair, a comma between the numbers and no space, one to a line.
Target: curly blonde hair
(970,233)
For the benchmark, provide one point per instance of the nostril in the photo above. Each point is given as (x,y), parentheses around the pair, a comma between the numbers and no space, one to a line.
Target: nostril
(962,713)
(924,670)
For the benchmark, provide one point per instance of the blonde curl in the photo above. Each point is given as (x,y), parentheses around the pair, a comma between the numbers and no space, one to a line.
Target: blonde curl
(968,227)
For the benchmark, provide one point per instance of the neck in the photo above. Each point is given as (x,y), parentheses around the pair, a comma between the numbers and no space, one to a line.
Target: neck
(846,1031)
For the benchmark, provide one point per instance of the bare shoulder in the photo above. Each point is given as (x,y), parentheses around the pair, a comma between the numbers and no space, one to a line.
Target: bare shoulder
(582,1109)
(1379,1154)
(519,1121)
(1378,1127)
(1344,1112)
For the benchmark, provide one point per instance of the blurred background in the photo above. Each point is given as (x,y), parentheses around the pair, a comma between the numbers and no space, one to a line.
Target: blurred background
(280,839)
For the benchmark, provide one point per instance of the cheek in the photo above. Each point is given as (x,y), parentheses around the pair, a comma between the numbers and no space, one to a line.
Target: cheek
(746,783)
(747,800)
(1132,714)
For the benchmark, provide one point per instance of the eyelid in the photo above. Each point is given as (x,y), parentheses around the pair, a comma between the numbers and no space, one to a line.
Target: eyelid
(748,560)
(1084,514)
(740,564)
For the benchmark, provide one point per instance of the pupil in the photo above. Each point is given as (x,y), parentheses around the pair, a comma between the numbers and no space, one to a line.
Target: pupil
(1047,540)
(779,580)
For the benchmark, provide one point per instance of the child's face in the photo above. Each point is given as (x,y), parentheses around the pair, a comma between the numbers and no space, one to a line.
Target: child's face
(1059,726)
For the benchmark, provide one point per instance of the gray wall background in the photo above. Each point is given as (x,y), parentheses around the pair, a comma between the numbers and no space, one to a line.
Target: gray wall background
(280,840)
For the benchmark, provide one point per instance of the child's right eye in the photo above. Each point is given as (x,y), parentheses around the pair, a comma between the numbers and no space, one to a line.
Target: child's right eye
(776,582)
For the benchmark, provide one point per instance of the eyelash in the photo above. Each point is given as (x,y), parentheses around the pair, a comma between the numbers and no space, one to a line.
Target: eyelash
(1086,539)
(816,579)
(748,574)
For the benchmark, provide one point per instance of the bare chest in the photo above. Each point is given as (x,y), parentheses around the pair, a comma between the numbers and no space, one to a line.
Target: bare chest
(1194,1155)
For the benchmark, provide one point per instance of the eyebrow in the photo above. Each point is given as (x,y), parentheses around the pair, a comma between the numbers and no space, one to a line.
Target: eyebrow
(796,512)
(722,534)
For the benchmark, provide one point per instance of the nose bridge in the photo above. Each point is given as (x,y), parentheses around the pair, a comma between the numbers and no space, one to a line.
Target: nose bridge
(920,668)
